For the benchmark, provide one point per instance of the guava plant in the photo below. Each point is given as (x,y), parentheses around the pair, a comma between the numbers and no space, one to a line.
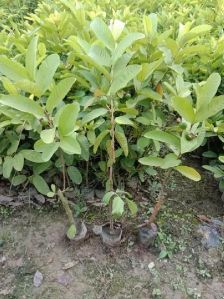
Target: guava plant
(34,109)
(189,134)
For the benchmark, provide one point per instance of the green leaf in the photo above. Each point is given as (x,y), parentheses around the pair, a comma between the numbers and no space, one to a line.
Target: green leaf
(58,93)
(103,33)
(107,197)
(205,112)
(9,86)
(125,43)
(132,206)
(209,154)
(221,159)
(117,206)
(18,180)
(99,139)
(40,184)
(93,115)
(22,104)
(184,107)
(7,167)
(28,86)
(124,120)
(67,119)
(170,160)
(48,135)
(148,69)
(74,175)
(151,161)
(31,58)
(218,173)
(12,69)
(47,149)
(71,232)
(83,141)
(32,156)
(70,145)
(207,91)
(100,55)
(18,161)
(121,79)
(189,172)
(122,140)
(171,140)
(46,71)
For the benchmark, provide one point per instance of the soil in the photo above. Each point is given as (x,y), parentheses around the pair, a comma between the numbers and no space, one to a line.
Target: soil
(34,240)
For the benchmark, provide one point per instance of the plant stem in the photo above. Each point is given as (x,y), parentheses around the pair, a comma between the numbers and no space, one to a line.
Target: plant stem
(65,204)
(63,171)
(160,201)
(113,160)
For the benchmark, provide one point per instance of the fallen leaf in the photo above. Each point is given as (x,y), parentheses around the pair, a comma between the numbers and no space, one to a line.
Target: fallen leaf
(203,218)
(37,279)
(69,265)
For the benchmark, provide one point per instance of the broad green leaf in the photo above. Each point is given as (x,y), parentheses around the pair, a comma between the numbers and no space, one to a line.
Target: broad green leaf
(9,86)
(148,69)
(12,69)
(46,71)
(207,91)
(99,139)
(67,119)
(132,206)
(121,79)
(107,197)
(124,120)
(74,175)
(189,172)
(190,144)
(209,154)
(93,115)
(71,232)
(32,156)
(83,141)
(125,43)
(48,135)
(18,180)
(103,33)
(151,161)
(23,104)
(31,58)
(70,145)
(184,107)
(148,93)
(47,149)
(28,86)
(117,206)
(169,161)
(58,93)
(205,112)
(221,158)
(218,173)
(161,136)
(100,55)
(91,135)
(18,161)
(7,167)
(122,140)
(40,184)
(116,28)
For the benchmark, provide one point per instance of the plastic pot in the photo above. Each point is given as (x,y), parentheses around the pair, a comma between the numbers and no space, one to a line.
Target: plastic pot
(110,237)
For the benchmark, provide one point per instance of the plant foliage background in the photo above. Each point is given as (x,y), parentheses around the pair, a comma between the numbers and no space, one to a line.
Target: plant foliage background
(98,91)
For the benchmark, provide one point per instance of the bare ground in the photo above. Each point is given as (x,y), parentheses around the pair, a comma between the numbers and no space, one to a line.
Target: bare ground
(34,240)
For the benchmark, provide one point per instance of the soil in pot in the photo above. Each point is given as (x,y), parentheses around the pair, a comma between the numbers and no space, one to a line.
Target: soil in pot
(147,235)
(111,237)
